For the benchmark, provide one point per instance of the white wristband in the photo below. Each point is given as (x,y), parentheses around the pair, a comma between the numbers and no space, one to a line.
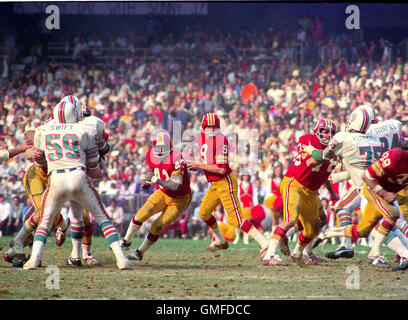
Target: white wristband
(377,188)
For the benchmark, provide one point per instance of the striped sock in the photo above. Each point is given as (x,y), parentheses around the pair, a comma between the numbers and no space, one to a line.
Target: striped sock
(41,234)
(148,242)
(402,225)
(109,232)
(345,219)
(77,230)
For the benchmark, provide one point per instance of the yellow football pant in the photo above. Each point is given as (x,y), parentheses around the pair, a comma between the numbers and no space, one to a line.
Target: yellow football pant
(402,199)
(172,209)
(225,192)
(35,183)
(301,203)
(375,209)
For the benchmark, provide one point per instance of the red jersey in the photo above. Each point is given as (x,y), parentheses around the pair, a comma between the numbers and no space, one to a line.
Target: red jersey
(214,150)
(391,170)
(311,178)
(172,166)
(246,195)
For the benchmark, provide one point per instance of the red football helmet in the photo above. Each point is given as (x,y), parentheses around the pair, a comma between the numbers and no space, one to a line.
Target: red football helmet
(162,144)
(325,124)
(211,120)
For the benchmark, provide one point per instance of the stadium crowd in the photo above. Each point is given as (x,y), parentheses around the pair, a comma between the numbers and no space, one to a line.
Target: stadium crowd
(189,76)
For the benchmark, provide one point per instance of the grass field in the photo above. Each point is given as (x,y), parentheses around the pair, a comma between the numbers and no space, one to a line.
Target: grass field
(181,269)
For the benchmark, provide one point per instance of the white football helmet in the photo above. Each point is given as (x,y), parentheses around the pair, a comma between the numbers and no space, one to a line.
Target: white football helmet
(370,112)
(75,101)
(358,120)
(66,112)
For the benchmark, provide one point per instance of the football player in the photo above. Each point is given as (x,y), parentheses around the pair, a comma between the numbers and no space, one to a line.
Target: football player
(302,207)
(382,180)
(358,150)
(390,134)
(172,198)
(96,125)
(213,146)
(35,182)
(71,156)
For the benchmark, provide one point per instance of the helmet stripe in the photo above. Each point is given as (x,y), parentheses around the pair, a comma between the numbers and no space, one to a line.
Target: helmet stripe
(61,113)
(365,120)
(72,99)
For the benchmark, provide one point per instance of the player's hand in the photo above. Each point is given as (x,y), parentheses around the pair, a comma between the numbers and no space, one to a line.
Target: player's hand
(146,185)
(26,145)
(311,162)
(387,196)
(38,155)
(334,197)
(308,149)
(192,166)
(154,179)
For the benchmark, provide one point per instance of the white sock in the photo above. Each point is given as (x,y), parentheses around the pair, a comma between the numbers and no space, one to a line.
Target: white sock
(131,231)
(146,244)
(117,251)
(308,249)
(36,251)
(345,242)
(86,250)
(245,238)
(237,235)
(258,237)
(76,248)
(273,245)
(291,232)
(219,238)
(298,251)
(376,244)
(397,246)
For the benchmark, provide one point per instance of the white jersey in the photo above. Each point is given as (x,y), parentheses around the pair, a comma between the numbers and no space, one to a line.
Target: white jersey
(65,145)
(357,152)
(389,132)
(98,127)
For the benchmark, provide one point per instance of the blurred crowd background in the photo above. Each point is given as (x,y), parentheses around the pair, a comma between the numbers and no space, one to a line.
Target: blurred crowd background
(153,76)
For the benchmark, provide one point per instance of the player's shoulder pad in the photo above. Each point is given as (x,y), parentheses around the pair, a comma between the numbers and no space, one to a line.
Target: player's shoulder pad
(306,139)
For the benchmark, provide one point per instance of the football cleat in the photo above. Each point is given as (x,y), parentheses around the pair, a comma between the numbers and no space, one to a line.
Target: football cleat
(311,259)
(19,259)
(124,244)
(284,246)
(30,265)
(73,262)
(298,260)
(136,255)
(379,261)
(60,235)
(263,253)
(275,261)
(91,261)
(8,256)
(124,264)
(214,246)
(340,252)
(403,265)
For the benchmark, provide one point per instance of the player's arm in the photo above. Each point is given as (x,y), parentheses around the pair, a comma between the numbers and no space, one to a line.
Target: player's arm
(333,195)
(176,178)
(8,154)
(336,177)
(370,178)
(93,169)
(213,168)
(403,143)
